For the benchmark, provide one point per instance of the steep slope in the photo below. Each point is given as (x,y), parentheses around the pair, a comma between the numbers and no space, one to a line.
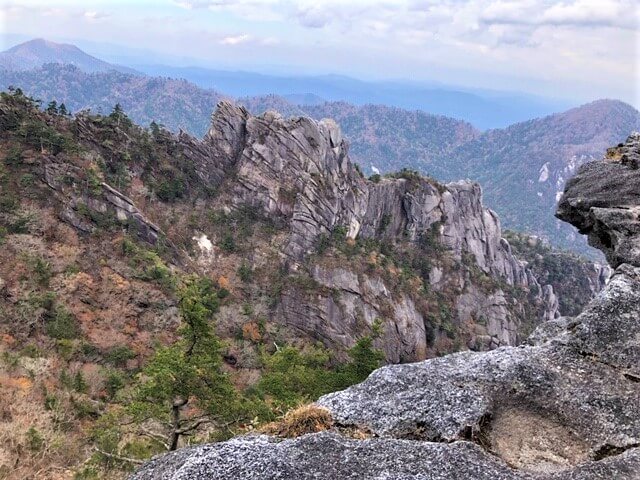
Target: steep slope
(523,168)
(39,52)
(176,104)
(101,221)
(563,407)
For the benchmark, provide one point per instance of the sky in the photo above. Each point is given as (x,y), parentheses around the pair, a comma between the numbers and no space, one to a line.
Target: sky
(573,49)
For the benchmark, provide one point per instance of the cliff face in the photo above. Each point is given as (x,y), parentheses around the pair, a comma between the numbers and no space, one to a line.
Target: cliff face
(561,407)
(297,173)
(335,255)
(575,280)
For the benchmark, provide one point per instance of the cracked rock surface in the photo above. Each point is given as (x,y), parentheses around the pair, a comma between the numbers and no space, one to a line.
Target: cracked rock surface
(566,406)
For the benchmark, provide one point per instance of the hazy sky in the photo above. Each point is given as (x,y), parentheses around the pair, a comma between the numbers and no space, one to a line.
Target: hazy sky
(579,49)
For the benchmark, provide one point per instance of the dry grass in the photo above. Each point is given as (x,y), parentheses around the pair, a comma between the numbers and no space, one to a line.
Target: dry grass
(613,154)
(32,446)
(300,421)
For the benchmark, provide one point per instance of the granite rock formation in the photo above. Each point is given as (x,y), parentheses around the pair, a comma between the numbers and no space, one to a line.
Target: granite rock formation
(297,174)
(562,407)
(602,201)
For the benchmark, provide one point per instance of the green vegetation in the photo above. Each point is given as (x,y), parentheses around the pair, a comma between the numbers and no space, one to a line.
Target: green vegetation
(234,230)
(244,272)
(183,384)
(292,377)
(40,268)
(35,441)
(119,356)
(571,275)
(31,129)
(62,324)
(13,157)
(147,264)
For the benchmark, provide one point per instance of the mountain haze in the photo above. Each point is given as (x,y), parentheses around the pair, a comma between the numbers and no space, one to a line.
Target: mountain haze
(38,52)
(484,109)
(522,168)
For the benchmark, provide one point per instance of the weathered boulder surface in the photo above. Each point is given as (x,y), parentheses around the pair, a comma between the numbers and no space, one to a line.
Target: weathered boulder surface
(603,200)
(563,407)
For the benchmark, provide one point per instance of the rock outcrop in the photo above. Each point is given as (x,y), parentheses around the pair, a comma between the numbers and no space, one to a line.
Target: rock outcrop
(104,201)
(298,172)
(602,201)
(563,407)
(473,292)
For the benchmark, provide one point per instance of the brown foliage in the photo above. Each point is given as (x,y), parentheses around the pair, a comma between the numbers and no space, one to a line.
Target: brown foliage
(300,421)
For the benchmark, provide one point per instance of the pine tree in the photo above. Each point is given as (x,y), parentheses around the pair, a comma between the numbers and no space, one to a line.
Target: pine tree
(183,385)
(155,129)
(118,116)
(52,108)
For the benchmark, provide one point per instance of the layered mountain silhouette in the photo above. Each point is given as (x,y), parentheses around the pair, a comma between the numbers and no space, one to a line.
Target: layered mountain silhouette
(522,168)
(38,52)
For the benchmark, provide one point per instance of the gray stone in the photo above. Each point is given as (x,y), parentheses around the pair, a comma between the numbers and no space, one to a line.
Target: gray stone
(563,407)
(603,202)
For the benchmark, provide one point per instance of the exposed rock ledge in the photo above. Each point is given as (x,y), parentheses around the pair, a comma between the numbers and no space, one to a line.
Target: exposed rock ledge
(603,201)
(565,407)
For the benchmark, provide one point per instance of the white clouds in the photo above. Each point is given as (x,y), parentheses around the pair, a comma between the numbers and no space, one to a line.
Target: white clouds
(235,40)
(577,13)
(92,15)
(540,45)
(606,13)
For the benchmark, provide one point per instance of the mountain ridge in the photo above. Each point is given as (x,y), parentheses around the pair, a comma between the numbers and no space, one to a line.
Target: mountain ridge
(508,162)
(38,52)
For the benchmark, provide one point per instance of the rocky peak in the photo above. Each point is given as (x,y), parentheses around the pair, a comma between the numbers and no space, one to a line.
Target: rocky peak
(298,172)
(562,407)
(603,200)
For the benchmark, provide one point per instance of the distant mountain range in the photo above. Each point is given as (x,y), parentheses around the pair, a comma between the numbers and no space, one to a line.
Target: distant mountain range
(38,52)
(522,168)
(484,109)
(177,104)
